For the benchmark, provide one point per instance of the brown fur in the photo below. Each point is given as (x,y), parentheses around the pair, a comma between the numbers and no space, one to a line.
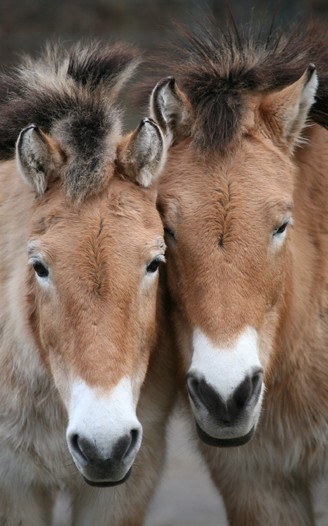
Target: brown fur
(97,319)
(224,273)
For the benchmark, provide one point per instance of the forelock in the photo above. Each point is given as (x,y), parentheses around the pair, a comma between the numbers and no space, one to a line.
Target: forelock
(219,68)
(70,94)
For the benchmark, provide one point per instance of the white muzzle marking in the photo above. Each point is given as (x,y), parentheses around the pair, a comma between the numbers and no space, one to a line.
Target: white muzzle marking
(102,419)
(224,369)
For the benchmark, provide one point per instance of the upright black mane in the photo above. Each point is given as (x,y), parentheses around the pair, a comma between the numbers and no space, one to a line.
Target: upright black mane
(218,67)
(70,93)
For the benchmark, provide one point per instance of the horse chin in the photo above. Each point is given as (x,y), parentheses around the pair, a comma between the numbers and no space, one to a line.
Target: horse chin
(108,484)
(224,442)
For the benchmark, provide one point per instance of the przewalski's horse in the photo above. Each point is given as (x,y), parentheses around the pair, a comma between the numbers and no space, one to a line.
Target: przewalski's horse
(244,199)
(83,376)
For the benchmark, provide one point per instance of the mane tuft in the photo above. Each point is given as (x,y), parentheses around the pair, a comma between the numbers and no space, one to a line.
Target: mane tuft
(94,66)
(219,67)
(70,94)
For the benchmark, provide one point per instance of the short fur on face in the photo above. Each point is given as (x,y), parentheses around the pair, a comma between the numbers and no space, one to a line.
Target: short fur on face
(94,218)
(236,102)
(92,242)
(244,202)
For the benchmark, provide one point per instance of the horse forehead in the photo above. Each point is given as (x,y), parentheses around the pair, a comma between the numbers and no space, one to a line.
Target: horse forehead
(122,209)
(251,174)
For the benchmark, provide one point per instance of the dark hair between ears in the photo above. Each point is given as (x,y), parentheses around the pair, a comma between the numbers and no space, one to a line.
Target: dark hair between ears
(71,94)
(218,67)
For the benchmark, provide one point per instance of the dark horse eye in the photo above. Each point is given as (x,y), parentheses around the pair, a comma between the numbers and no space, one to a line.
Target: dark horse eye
(153,266)
(281,229)
(40,269)
(169,232)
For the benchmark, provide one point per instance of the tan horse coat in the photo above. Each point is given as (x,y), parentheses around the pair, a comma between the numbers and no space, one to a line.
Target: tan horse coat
(86,377)
(244,203)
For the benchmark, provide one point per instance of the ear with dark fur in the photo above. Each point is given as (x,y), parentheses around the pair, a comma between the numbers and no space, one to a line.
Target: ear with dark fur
(287,110)
(37,156)
(143,155)
(170,108)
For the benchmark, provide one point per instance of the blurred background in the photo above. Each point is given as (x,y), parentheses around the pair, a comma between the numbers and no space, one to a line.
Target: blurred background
(186,496)
(26,24)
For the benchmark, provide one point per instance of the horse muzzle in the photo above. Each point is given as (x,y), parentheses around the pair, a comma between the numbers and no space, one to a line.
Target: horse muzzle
(99,468)
(226,422)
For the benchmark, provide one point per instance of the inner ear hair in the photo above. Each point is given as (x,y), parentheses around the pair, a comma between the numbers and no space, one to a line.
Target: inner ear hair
(309,85)
(287,110)
(37,157)
(142,155)
(170,108)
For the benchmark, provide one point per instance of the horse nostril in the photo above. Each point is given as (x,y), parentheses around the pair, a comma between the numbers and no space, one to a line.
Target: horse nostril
(242,392)
(257,379)
(204,395)
(193,383)
(134,434)
(80,447)
(249,389)
(126,445)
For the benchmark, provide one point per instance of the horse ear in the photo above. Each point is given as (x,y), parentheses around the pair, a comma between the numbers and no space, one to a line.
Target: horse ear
(170,108)
(143,155)
(37,155)
(288,109)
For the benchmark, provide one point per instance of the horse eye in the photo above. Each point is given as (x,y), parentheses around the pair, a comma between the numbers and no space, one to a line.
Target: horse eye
(281,229)
(153,266)
(40,269)
(169,232)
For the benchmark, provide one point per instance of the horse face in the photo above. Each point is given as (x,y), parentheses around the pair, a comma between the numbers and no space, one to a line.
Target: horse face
(227,257)
(92,278)
(228,219)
